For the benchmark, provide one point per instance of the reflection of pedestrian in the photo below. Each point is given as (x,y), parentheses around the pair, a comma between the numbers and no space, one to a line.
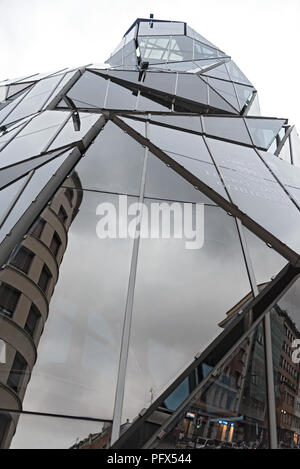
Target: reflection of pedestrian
(176,434)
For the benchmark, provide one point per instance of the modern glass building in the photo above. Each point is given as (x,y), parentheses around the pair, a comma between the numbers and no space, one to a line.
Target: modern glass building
(149,251)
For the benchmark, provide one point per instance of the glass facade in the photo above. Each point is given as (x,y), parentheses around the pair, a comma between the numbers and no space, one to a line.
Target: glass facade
(149,254)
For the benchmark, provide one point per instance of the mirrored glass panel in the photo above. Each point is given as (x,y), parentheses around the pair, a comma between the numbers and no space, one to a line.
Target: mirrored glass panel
(232,128)
(230,411)
(146,102)
(255,191)
(160,27)
(191,87)
(266,262)
(181,48)
(264,131)
(30,431)
(154,49)
(218,72)
(113,167)
(71,303)
(161,81)
(33,138)
(68,134)
(192,123)
(88,91)
(226,90)
(175,313)
(285,334)
(193,34)
(236,74)
(254,108)
(6,111)
(35,99)
(244,94)
(164,183)
(204,51)
(119,97)
(288,174)
(295,147)
(12,173)
(64,81)
(179,142)
(32,187)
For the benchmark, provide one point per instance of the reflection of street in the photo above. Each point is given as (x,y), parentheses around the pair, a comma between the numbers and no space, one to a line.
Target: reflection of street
(27,284)
(231,412)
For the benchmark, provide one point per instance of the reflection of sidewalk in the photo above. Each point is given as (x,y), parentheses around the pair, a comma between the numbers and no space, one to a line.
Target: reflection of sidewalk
(181,445)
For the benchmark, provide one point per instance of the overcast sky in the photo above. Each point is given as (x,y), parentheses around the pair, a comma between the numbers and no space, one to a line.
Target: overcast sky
(262,36)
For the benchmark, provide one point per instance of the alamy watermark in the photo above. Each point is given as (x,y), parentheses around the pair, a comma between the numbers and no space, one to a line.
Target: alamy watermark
(153,220)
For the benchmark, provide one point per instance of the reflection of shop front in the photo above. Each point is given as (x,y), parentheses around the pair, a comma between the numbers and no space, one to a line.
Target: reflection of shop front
(287,436)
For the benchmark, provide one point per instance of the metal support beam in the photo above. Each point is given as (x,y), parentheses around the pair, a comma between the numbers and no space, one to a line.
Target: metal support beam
(33,211)
(229,207)
(120,389)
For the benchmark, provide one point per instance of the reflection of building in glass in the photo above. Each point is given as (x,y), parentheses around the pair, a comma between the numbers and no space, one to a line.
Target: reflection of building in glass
(287,380)
(26,288)
(233,408)
(136,326)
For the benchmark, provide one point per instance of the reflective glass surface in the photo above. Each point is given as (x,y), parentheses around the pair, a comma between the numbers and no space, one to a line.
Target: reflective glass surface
(154,49)
(255,191)
(263,131)
(160,27)
(7,110)
(254,109)
(112,168)
(88,91)
(181,48)
(218,72)
(288,175)
(244,94)
(35,99)
(42,432)
(229,128)
(265,261)
(225,89)
(119,97)
(285,343)
(33,138)
(182,122)
(164,183)
(193,34)
(146,102)
(12,173)
(179,142)
(295,146)
(68,134)
(178,304)
(80,335)
(129,54)
(191,87)
(72,264)
(230,412)
(161,81)
(236,74)
(33,187)
(60,86)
